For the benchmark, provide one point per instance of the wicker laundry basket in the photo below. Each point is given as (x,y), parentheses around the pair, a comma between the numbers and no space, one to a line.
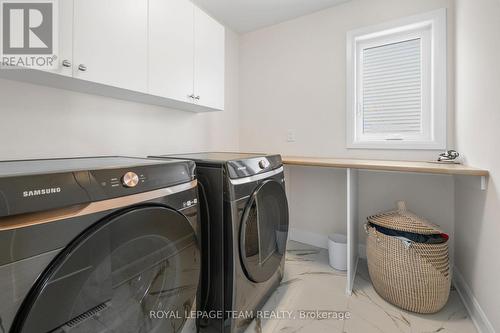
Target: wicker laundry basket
(414,276)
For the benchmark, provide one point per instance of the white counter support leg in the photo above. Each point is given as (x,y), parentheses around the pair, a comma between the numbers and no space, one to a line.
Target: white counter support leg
(484,183)
(352,228)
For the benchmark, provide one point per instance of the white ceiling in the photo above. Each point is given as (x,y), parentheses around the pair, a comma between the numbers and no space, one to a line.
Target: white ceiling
(248,15)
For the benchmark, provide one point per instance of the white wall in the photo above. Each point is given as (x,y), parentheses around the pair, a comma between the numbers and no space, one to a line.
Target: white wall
(431,196)
(478,136)
(292,76)
(38,121)
(317,203)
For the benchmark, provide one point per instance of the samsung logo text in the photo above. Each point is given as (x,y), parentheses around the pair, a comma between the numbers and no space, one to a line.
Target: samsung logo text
(43,191)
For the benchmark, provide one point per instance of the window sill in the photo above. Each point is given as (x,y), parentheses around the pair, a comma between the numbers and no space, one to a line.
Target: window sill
(401,145)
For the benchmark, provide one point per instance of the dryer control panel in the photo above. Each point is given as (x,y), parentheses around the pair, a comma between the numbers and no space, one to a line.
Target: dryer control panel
(106,184)
(253,166)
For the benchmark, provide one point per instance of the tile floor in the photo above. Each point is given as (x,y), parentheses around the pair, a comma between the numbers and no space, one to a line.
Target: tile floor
(311,284)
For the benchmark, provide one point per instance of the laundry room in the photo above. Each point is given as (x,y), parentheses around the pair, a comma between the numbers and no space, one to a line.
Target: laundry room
(249,166)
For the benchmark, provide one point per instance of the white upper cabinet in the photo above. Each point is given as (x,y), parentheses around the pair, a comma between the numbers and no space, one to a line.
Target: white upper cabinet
(111,42)
(64,54)
(186,54)
(63,50)
(162,52)
(171,49)
(209,54)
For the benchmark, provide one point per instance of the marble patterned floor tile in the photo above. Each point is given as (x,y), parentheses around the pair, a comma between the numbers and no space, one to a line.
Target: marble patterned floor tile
(306,326)
(277,302)
(369,308)
(453,318)
(315,291)
(310,283)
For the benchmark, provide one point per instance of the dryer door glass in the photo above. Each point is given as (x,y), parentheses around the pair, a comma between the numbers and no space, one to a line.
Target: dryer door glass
(264,231)
(118,276)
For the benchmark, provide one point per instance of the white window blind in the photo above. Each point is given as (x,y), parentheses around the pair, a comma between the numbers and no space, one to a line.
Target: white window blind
(396,84)
(392,88)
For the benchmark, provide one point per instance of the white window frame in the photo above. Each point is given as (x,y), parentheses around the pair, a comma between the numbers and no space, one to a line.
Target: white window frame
(430,28)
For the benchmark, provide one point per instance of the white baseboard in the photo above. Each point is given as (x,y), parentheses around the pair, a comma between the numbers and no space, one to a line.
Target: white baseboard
(362,251)
(478,317)
(350,284)
(308,237)
(483,325)
(318,240)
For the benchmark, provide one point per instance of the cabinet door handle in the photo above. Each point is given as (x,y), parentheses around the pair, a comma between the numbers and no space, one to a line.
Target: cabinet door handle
(197,97)
(191,96)
(82,68)
(66,63)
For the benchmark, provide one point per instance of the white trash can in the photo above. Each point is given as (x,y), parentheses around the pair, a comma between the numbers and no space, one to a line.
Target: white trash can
(337,251)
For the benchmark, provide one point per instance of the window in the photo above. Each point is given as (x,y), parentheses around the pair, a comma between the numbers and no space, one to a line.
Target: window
(396,76)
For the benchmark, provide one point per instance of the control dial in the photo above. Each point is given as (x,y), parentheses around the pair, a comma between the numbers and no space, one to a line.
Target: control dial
(263,164)
(130,179)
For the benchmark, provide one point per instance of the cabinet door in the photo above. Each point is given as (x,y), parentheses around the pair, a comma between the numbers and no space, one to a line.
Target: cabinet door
(171,47)
(65,31)
(209,53)
(110,42)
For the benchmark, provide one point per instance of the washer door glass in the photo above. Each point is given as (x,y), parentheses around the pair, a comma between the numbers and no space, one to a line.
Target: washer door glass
(264,231)
(118,276)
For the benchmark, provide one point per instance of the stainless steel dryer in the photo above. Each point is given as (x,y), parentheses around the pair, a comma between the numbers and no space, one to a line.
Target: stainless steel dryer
(97,245)
(243,237)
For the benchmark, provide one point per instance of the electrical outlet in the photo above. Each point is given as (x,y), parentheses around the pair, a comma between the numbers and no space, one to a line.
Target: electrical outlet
(290,136)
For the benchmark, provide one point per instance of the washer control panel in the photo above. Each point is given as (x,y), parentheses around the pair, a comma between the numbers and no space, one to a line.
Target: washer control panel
(130,179)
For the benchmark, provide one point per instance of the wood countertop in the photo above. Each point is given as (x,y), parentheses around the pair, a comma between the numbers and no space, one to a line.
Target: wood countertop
(384,165)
